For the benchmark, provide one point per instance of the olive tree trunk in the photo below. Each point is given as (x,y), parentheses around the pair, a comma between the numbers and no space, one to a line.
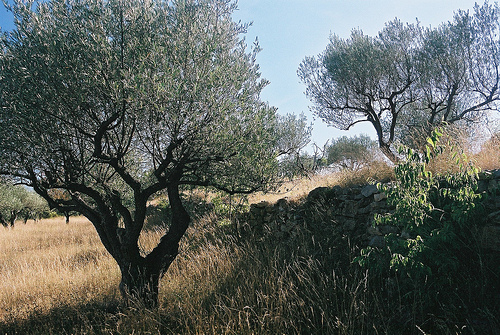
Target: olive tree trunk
(139,285)
(141,275)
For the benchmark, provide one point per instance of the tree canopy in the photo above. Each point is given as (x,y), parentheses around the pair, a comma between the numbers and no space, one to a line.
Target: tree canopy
(16,200)
(113,101)
(351,153)
(408,77)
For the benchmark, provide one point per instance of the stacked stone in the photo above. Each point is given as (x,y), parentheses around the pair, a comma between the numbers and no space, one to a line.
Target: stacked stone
(351,211)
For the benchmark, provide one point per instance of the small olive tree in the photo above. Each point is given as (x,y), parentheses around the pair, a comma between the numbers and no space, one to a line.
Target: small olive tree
(351,153)
(12,199)
(109,102)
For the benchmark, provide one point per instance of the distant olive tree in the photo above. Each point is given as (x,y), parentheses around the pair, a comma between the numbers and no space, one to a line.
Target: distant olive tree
(16,201)
(408,77)
(11,203)
(351,153)
(114,101)
(34,207)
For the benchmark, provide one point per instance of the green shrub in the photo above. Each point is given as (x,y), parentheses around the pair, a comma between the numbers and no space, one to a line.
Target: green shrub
(435,216)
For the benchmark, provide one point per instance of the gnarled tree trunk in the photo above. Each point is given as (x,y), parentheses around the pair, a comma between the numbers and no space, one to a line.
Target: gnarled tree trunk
(139,285)
(13,218)
(141,275)
(386,150)
(3,222)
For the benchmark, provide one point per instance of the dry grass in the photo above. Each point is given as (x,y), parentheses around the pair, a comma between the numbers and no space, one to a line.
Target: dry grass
(49,264)
(219,284)
(459,141)
(299,188)
(489,156)
(54,275)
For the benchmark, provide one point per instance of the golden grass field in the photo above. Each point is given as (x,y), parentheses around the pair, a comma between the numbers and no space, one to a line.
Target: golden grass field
(46,264)
(51,271)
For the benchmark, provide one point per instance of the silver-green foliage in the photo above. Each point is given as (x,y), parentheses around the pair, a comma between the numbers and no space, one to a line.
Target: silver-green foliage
(113,101)
(17,200)
(351,152)
(143,82)
(408,76)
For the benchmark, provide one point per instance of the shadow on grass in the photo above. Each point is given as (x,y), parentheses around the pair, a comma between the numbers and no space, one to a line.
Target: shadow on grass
(92,318)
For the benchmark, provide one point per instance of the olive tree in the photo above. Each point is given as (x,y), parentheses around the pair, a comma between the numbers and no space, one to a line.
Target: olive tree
(12,199)
(34,207)
(408,77)
(16,201)
(352,153)
(113,101)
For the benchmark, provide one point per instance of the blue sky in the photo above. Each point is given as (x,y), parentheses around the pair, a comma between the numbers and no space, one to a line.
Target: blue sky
(289,30)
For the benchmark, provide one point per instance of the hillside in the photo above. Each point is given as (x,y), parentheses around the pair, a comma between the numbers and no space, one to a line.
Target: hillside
(290,267)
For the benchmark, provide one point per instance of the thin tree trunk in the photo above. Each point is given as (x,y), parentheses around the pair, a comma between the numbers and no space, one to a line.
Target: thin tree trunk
(13,217)
(3,222)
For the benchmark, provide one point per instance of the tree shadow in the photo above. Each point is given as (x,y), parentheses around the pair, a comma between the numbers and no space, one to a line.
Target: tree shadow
(91,318)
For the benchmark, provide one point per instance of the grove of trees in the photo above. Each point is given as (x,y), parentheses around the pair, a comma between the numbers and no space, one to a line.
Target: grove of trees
(106,104)
(17,201)
(408,78)
(110,102)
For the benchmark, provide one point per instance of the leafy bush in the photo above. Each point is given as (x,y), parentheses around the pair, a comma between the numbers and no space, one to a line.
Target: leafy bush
(435,214)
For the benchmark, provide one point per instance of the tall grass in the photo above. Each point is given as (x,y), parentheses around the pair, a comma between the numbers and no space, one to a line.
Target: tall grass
(48,265)
(489,156)
(58,279)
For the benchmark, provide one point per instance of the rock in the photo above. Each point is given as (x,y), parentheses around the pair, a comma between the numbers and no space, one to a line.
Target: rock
(379,196)
(493,185)
(365,210)
(490,238)
(494,217)
(262,204)
(369,190)
(351,208)
(377,242)
(405,234)
(318,193)
(282,204)
(349,225)
(386,229)
(482,185)
(358,196)
(373,231)
(378,207)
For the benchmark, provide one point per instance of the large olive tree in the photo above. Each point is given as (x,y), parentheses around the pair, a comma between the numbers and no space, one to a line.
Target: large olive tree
(408,77)
(110,102)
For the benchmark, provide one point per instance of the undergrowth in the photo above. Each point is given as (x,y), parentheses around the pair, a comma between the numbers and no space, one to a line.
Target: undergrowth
(435,280)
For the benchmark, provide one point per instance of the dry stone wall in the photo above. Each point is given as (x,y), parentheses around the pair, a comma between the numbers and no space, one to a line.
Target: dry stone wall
(351,211)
